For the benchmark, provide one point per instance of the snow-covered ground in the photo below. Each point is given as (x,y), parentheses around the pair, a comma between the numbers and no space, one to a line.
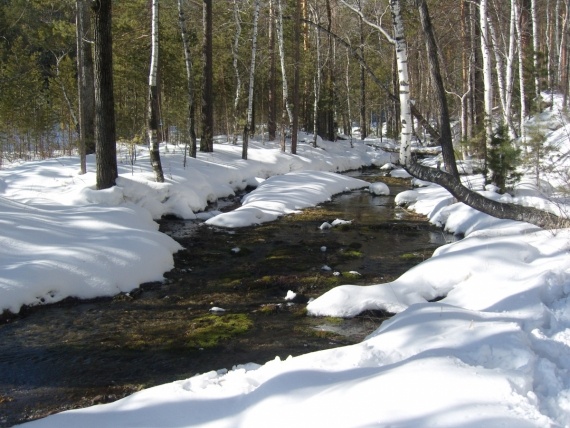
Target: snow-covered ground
(494,351)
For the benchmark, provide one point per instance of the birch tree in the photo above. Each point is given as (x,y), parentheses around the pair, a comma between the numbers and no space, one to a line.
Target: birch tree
(249,119)
(317,79)
(401,46)
(284,80)
(535,48)
(522,88)
(153,115)
(487,71)
(449,181)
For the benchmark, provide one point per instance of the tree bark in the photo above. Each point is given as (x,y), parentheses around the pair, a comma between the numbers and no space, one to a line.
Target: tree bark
(249,119)
(296,78)
(153,107)
(272,93)
(471,198)
(437,82)
(235,57)
(286,111)
(85,84)
(363,125)
(207,139)
(487,71)
(522,88)
(105,132)
(190,82)
(403,84)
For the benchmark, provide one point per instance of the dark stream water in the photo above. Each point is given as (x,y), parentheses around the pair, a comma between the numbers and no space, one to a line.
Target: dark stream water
(76,354)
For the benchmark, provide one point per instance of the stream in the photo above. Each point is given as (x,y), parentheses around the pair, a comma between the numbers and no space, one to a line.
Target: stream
(80,353)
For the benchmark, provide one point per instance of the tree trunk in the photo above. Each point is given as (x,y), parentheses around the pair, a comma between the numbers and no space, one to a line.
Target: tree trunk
(235,50)
(153,99)
(330,93)
(105,133)
(487,71)
(363,125)
(522,89)
(286,111)
(348,109)
(403,84)
(535,49)
(296,78)
(190,82)
(317,87)
(249,120)
(437,82)
(85,90)
(485,205)
(272,93)
(207,139)
(473,199)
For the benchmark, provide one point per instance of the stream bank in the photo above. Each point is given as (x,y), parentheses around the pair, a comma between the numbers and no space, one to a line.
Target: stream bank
(77,354)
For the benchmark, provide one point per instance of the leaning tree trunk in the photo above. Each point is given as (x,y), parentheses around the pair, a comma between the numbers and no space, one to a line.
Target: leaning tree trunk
(440,98)
(190,82)
(249,119)
(105,132)
(453,184)
(153,99)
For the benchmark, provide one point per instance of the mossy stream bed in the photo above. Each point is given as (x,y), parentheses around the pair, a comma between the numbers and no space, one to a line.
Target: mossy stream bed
(76,354)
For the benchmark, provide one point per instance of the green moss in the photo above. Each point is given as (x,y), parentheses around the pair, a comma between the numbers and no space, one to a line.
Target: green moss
(268,309)
(333,320)
(319,280)
(351,254)
(208,330)
(411,256)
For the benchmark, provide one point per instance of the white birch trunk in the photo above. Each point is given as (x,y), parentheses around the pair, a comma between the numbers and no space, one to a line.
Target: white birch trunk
(535,53)
(153,98)
(510,64)
(248,123)
(404,84)
(317,87)
(487,72)
(505,99)
(280,44)
(521,73)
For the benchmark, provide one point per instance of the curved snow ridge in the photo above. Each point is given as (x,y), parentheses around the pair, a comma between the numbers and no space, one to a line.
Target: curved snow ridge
(286,194)
(104,249)
(465,368)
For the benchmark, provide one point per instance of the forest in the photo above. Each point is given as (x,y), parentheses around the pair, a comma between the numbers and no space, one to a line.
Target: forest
(190,70)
